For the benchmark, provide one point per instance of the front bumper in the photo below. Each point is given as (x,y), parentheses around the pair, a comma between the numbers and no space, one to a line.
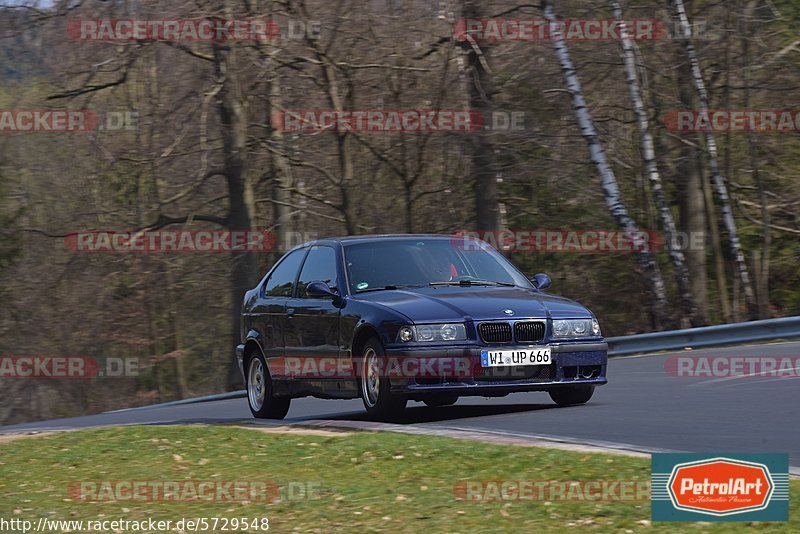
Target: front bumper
(573,363)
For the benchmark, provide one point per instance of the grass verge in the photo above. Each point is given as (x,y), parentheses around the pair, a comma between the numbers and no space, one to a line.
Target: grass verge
(359,481)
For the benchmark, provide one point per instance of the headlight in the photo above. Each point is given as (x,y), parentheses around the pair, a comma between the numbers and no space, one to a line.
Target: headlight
(576,327)
(433,332)
(561,328)
(449,332)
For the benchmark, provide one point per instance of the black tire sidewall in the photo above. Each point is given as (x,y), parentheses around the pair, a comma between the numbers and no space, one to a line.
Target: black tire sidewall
(273,407)
(387,406)
(572,395)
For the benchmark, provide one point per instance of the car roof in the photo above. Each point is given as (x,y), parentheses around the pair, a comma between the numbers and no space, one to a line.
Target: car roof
(373,237)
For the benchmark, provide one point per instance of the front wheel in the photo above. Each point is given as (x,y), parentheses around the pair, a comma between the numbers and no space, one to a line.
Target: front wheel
(378,400)
(263,404)
(571,395)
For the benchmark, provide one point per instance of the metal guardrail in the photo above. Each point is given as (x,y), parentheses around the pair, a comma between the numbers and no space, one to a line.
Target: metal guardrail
(706,336)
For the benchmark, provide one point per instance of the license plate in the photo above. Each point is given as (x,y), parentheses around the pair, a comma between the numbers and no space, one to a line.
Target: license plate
(503,358)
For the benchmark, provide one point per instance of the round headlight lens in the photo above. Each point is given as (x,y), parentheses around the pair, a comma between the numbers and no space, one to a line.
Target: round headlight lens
(406,334)
(448,332)
(425,333)
(579,327)
(561,328)
(595,327)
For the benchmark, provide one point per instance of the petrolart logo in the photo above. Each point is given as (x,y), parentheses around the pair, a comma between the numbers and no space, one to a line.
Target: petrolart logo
(716,487)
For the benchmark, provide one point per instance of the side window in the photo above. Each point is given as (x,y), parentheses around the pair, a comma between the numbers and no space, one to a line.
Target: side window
(282,278)
(320,266)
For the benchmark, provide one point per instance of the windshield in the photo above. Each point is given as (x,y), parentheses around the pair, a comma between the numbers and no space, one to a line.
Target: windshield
(425,261)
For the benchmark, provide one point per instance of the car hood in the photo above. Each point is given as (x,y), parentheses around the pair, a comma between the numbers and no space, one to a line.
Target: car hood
(443,304)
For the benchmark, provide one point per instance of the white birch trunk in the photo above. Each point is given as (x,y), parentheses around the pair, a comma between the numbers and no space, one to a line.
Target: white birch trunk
(608,181)
(719,182)
(651,169)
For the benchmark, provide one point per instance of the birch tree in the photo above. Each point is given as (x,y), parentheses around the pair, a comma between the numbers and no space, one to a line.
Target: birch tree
(760,264)
(609,184)
(651,170)
(719,182)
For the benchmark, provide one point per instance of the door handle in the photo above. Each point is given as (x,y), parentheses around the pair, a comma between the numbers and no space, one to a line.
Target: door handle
(290,312)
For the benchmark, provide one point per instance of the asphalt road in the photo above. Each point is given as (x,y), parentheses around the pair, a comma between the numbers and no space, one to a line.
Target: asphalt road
(642,408)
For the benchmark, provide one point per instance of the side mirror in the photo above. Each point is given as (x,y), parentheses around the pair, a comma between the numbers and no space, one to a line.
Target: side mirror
(541,281)
(319,290)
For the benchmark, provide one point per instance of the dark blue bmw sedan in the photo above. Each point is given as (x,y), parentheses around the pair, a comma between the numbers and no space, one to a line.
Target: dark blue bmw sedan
(422,317)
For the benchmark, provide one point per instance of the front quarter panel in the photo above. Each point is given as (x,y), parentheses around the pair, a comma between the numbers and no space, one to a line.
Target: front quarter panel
(359,316)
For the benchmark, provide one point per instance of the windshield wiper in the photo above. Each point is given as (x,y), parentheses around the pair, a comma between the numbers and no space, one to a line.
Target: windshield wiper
(475,282)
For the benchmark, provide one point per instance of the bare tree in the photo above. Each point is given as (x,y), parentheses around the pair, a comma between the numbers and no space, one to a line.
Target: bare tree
(608,181)
(651,169)
(480,97)
(760,259)
(719,182)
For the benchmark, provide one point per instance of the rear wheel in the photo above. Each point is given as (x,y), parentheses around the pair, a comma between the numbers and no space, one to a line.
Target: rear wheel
(443,400)
(571,395)
(378,400)
(263,404)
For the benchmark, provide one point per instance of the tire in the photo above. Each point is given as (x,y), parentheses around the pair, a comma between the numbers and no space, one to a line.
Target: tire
(263,404)
(571,395)
(375,386)
(443,400)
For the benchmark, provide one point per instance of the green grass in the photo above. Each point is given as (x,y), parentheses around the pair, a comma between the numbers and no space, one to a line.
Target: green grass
(368,481)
